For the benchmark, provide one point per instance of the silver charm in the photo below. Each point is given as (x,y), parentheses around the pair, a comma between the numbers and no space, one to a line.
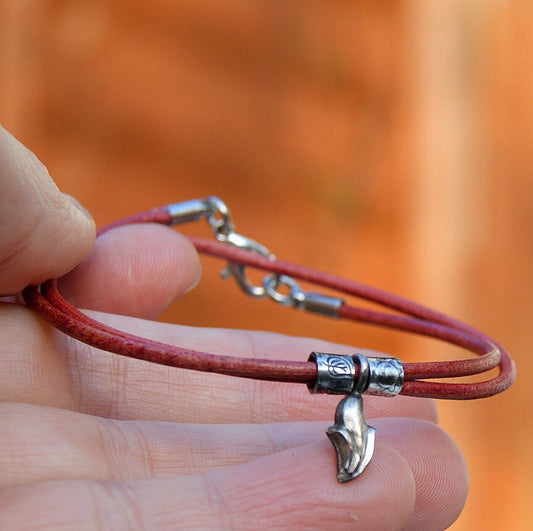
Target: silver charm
(351,437)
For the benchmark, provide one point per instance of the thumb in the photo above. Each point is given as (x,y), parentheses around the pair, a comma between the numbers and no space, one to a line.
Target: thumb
(43,233)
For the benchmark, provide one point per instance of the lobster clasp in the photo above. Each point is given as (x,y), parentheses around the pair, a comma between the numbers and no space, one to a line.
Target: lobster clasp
(219,219)
(237,271)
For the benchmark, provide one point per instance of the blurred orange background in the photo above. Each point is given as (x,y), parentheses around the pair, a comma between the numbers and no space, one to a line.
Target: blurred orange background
(389,142)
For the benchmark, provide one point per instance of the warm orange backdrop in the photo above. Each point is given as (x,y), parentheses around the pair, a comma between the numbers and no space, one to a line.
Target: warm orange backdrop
(386,141)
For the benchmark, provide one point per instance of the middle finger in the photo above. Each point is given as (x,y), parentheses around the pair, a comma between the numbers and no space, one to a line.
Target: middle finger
(54,370)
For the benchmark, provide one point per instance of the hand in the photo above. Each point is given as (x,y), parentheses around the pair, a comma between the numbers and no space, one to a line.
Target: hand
(92,440)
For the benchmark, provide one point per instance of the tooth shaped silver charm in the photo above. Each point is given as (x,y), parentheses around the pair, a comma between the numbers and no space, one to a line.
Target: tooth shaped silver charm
(352,438)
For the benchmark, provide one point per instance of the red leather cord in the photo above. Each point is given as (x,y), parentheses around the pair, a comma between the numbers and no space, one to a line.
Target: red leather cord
(408,316)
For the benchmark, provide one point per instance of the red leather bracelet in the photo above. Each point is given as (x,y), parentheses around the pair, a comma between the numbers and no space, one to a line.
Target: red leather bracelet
(322,372)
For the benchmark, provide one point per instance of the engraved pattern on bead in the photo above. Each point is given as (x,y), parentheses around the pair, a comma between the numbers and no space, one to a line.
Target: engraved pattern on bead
(334,373)
(385,376)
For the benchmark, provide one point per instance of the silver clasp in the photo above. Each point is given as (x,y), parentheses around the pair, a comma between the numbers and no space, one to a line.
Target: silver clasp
(274,286)
(237,271)
(224,231)
(217,214)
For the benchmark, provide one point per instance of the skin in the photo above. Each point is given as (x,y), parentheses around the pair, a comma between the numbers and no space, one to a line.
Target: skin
(92,440)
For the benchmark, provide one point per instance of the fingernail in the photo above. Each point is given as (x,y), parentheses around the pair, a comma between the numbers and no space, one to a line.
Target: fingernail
(78,205)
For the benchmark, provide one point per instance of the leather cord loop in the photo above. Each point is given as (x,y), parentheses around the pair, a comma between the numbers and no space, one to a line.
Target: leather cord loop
(407,316)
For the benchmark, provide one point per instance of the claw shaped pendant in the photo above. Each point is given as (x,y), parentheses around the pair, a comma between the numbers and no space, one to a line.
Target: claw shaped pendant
(351,437)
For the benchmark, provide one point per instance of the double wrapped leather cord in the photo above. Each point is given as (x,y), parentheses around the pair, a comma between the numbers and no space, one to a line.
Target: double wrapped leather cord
(351,376)
(406,315)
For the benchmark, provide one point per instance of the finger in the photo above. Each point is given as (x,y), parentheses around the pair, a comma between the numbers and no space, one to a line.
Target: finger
(439,470)
(40,365)
(49,443)
(44,233)
(278,491)
(290,488)
(151,263)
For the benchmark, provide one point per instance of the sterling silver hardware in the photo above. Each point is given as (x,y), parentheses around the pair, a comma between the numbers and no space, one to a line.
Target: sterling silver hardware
(351,437)
(218,216)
